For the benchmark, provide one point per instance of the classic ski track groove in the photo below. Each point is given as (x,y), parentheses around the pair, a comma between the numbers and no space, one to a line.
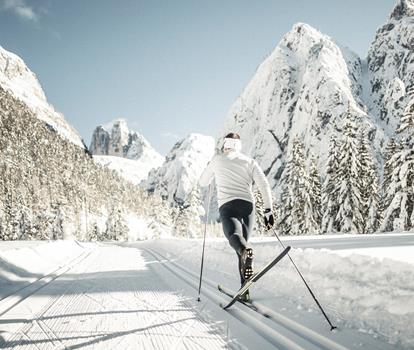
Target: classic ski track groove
(14,299)
(298,329)
(51,326)
(261,328)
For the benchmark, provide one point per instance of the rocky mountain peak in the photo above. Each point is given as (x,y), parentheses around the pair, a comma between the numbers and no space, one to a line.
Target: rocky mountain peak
(22,83)
(182,168)
(116,139)
(403,8)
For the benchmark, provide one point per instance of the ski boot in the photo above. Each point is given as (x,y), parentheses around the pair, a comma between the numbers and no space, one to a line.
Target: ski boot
(247,263)
(245,297)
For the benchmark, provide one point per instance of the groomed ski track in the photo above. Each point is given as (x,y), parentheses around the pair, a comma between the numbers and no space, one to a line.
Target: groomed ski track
(136,298)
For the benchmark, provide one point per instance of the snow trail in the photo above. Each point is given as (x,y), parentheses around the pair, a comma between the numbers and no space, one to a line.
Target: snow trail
(117,298)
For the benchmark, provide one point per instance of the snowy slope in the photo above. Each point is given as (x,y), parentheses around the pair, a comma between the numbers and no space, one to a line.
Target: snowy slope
(391,65)
(16,77)
(182,168)
(116,146)
(302,89)
(131,170)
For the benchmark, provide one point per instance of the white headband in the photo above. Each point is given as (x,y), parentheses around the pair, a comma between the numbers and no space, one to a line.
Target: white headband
(232,144)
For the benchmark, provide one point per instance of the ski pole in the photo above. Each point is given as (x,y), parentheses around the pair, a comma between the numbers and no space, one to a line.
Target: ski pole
(204,241)
(306,284)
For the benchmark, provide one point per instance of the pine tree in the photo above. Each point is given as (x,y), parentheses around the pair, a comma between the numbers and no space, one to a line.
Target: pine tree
(57,221)
(407,119)
(116,228)
(368,176)
(312,205)
(331,189)
(350,205)
(292,218)
(259,212)
(187,222)
(398,178)
(39,168)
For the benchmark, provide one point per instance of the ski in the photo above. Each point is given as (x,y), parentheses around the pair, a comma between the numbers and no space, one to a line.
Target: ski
(255,278)
(249,303)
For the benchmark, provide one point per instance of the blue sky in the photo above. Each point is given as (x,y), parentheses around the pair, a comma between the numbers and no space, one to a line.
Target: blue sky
(169,67)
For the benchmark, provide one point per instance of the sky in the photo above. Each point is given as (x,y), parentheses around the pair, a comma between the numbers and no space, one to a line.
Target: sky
(170,67)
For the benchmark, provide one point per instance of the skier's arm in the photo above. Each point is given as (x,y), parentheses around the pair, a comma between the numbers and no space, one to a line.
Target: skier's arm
(207,175)
(260,179)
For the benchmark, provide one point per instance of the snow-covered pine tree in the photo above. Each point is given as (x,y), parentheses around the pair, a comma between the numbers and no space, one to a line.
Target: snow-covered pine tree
(350,205)
(368,176)
(391,149)
(259,212)
(188,222)
(39,168)
(292,211)
(94,234)
(312,196)
(57,221)
(398,213)
(331,189)
(116,227)
(399,172)
(407,120)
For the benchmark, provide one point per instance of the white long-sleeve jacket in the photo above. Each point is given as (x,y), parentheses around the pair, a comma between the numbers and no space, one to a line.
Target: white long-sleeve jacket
(234,174)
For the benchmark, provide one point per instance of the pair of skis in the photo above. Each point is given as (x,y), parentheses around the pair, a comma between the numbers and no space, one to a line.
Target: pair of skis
(252,279)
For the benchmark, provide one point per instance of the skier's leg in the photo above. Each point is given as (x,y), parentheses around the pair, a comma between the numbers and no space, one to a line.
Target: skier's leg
(247,225)
(241,270)
(233,228)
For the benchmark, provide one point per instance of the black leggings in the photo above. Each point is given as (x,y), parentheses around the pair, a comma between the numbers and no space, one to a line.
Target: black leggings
(237,218)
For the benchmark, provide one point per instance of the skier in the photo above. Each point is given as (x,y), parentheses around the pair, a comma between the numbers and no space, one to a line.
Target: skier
(234,174)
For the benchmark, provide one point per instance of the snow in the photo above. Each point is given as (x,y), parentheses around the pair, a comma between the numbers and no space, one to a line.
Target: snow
(116,298)
(116,139)
(127,152)
(369,290)
(179,174)
(366,292)
(35,261)
(402,254)
(301,90)
(16,77)
(133,171)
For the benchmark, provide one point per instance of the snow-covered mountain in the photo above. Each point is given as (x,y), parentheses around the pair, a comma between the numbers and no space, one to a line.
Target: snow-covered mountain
(116,146)
(116,139)
(390,64)
(302,89)
(22,83)
(307,84)
(179,174)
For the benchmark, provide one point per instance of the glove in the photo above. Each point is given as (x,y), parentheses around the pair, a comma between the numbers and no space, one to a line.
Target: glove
(269,218)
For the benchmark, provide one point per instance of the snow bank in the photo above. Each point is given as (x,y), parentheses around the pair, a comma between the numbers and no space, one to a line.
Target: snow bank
(372,294)
(145,228)
(21,266)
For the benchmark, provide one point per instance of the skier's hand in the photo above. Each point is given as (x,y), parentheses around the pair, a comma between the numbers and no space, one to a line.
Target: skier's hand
(269,218)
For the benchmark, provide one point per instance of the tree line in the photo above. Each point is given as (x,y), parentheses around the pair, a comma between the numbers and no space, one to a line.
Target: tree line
(51,188)
(360,193)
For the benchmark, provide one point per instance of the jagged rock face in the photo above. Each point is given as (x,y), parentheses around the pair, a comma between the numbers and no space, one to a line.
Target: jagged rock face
(404,8)
(302,89)
(391,65)
(17,78)
(183,166)
(116,139)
